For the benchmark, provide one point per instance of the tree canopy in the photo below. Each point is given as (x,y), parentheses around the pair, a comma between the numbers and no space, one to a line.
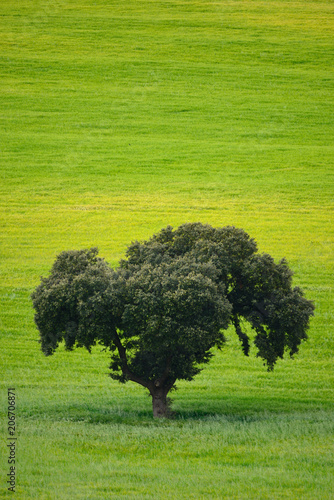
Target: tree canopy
(168,303)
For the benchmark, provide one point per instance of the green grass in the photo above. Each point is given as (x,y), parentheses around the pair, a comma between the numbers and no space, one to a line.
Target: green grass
(118,118)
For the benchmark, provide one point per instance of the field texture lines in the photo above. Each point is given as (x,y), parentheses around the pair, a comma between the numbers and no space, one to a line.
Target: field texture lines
(117,119)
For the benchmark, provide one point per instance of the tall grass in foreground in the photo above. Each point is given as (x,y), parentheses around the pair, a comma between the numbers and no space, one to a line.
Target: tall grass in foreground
(118,118)
(267,456)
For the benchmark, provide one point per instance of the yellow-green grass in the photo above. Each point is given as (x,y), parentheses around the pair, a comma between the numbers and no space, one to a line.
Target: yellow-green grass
(118,118)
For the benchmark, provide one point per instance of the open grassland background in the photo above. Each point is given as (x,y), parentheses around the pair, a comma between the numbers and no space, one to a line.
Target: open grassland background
(118,118)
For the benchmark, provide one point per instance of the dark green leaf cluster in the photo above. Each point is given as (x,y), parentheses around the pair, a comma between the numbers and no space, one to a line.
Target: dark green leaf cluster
(70,303)
(174,314)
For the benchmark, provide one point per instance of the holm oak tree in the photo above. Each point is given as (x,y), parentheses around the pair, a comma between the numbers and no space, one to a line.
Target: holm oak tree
(166,306)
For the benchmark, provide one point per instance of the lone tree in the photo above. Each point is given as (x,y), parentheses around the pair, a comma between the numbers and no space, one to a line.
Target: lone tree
(165,307)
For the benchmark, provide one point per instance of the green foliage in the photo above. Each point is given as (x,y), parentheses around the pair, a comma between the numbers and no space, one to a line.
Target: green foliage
(175,315)
(279,314)
(68,302)
(258,290)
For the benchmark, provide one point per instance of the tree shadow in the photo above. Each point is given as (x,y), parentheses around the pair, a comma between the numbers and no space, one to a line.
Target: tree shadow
(136,411)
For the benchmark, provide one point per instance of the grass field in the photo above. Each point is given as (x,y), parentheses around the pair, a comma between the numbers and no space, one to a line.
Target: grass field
(118,118)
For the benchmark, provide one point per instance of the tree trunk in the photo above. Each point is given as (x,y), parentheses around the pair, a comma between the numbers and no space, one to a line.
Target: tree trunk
(160,403)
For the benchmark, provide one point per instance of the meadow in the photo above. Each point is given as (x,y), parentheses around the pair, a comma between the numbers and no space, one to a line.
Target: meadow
(117,119)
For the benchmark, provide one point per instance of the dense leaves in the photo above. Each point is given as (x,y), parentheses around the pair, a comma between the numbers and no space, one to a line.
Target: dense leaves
(69,303)
(165,307)
(174,313)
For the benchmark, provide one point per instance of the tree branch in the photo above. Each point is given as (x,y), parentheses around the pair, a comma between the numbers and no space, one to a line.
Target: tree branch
(125,368)
(242,336)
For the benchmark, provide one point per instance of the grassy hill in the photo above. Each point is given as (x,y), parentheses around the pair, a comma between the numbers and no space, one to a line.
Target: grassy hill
(118,118)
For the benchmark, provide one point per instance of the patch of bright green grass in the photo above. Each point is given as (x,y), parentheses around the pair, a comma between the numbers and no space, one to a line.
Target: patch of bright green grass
(118,118)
